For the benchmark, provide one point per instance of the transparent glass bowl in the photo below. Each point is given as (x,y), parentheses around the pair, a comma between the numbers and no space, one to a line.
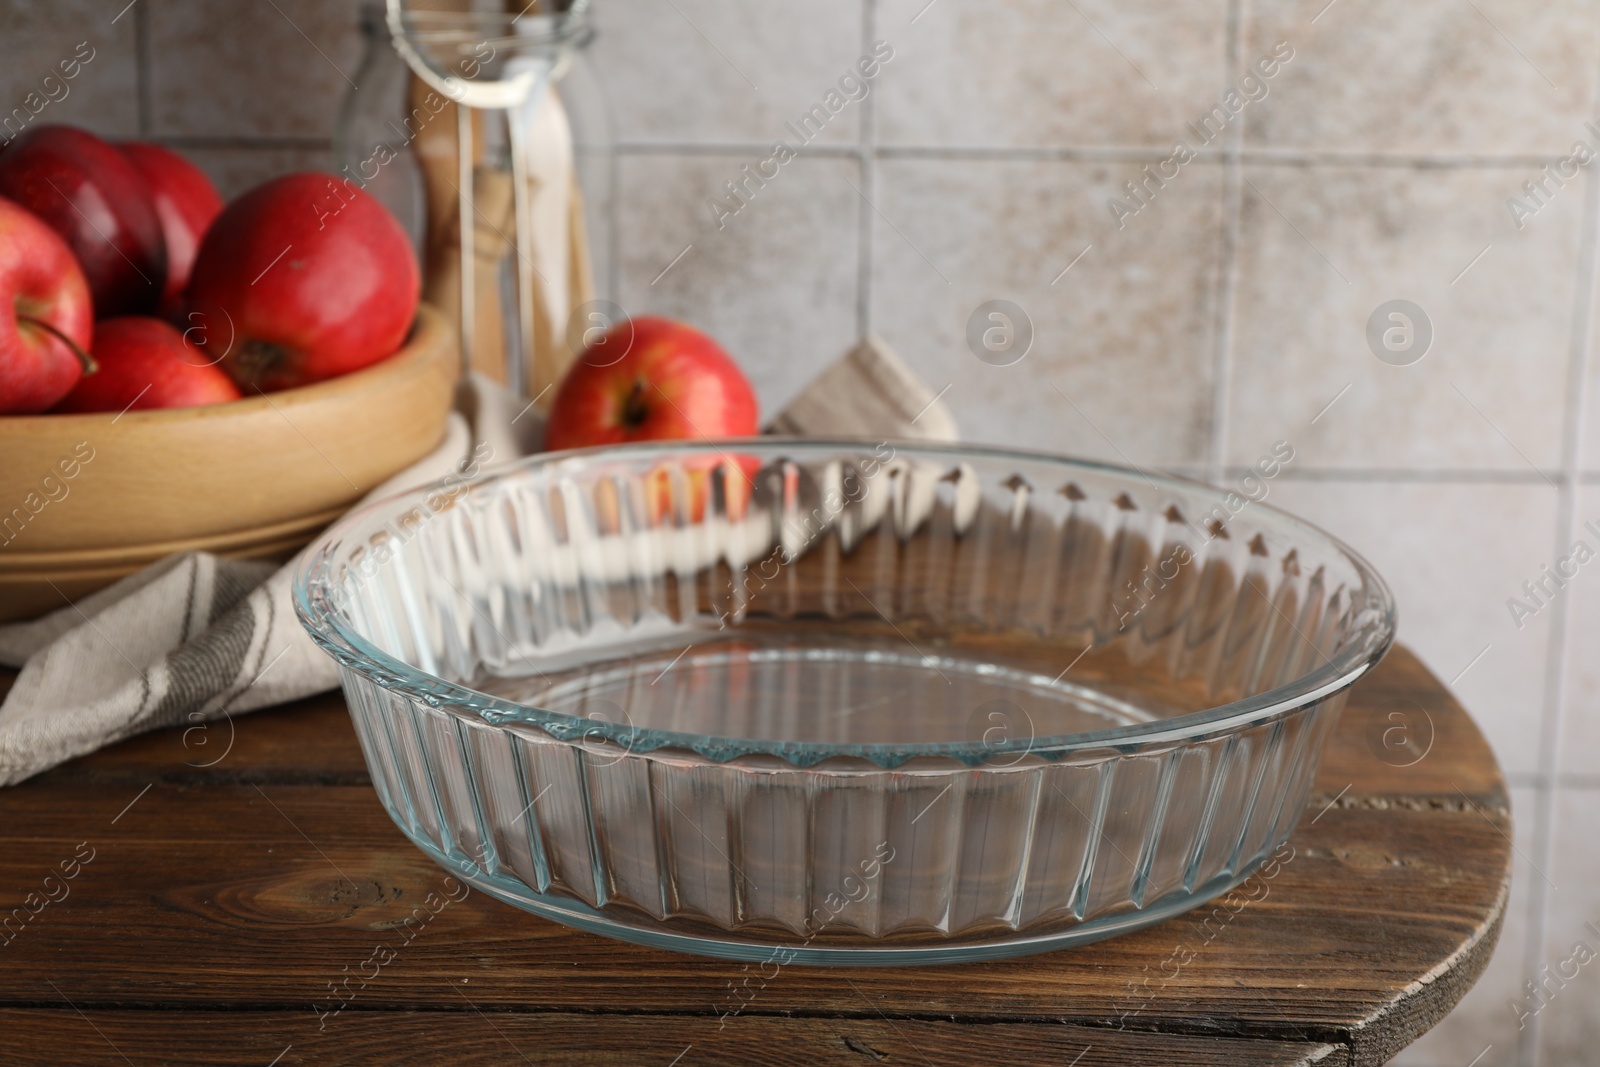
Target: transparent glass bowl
(834,702)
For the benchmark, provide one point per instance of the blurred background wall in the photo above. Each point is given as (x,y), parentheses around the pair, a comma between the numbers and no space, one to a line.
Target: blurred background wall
(1236,301)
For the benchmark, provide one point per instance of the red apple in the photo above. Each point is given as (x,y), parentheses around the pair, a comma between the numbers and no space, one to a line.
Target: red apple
(652,379)
(146,363)
(44,312)
(89,193)
(301,279)
(186,203)
(670,381)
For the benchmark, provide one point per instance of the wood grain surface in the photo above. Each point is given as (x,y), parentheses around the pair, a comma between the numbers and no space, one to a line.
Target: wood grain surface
(245,883)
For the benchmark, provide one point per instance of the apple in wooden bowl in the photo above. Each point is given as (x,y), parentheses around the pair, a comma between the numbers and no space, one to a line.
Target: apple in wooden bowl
(296,371)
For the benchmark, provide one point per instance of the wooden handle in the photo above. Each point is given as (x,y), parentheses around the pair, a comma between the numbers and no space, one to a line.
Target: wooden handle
(493,238)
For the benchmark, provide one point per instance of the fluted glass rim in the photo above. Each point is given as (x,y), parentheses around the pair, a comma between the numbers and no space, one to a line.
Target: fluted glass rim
(1373,603)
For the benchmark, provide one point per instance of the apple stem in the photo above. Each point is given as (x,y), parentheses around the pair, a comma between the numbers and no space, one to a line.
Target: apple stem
(89,365)
(633,409)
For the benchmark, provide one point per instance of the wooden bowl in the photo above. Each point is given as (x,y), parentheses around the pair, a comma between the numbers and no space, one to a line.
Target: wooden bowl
(134,557)
(55,580)
(221,475)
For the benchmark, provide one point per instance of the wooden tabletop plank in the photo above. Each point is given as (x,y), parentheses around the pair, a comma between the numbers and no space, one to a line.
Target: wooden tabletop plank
(1383,747)
(469,1036)
(308,741)
(223,879)
(273,874)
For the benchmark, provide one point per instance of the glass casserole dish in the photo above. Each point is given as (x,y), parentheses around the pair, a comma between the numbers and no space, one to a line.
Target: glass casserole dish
(842,702)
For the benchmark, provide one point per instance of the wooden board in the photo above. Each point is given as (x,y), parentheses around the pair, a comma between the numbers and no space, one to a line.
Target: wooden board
(229,909)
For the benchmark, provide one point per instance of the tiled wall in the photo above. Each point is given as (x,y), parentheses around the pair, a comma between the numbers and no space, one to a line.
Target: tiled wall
(1227,314)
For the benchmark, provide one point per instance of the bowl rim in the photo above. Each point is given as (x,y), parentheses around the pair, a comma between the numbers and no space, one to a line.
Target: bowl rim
(424,337)
(332,632)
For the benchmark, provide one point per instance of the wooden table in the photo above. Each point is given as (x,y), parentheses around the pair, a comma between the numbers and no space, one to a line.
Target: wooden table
(219,905)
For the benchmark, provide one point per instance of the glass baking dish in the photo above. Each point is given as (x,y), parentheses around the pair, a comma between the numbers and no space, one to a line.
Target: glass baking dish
(838,702)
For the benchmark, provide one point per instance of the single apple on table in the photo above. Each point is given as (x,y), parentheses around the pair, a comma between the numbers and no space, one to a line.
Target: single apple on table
(146,363)
(653,379)
(90,194)
(301,279)
(45,314)
(186,203)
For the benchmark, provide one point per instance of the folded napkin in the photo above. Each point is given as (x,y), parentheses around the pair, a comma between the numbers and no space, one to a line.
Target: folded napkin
(195,637)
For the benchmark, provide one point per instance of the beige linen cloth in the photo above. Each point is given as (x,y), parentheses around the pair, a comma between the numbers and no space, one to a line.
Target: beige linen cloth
(195,637)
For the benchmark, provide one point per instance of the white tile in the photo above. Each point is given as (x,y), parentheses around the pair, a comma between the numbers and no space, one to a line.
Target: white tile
(776,285)
(37,38)
(1120,367)
(1580,738)
(1482,1018)
(722,70)
(1323,248)
(1569,1021)
(263,70)
(1453,554)
(1035,72)
(1589,459)
(1489,76)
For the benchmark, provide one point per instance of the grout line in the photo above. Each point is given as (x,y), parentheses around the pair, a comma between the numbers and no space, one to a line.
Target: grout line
(741,149)
(1264,157)
(866,155)
(1466,476)
(1554,712)
(1301,157)
(1271,157)
(1362,475)
(1228,262)
(1105,154)
(144,95)
(613,234)
(249,144)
